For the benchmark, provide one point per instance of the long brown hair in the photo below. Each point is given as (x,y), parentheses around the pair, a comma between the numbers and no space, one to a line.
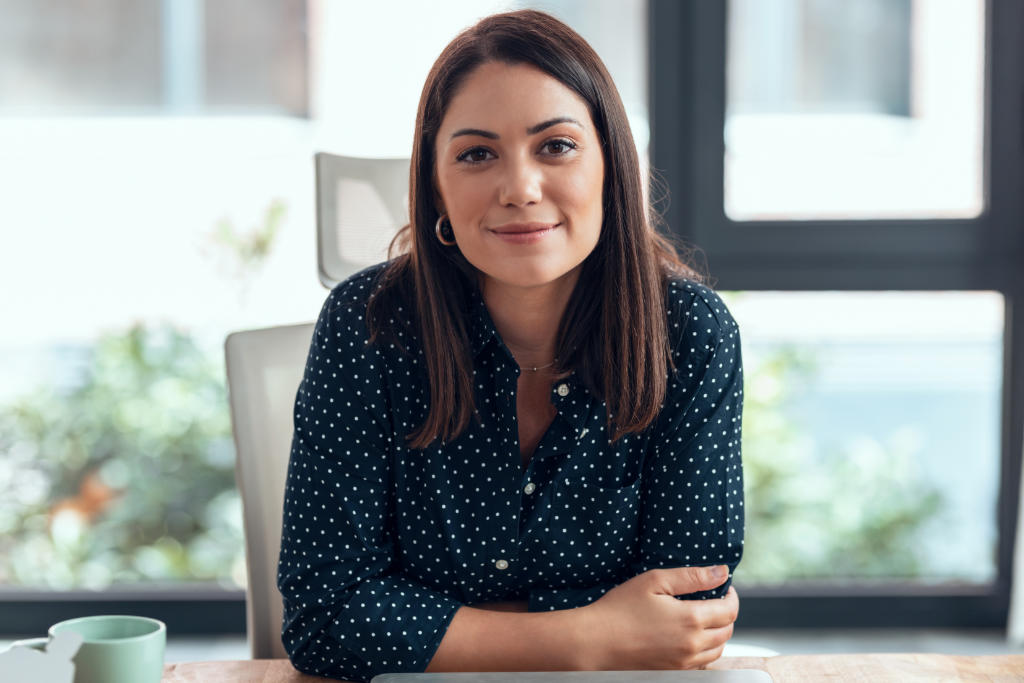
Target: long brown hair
(614,330)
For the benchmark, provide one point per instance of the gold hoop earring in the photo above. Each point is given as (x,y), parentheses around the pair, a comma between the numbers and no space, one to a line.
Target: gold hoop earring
(439,231)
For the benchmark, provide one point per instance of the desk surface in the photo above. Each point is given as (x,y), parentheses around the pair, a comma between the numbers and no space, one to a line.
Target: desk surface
(784,668)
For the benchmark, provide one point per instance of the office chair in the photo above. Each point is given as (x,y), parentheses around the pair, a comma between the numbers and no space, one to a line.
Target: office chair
(360,205)
(264,368)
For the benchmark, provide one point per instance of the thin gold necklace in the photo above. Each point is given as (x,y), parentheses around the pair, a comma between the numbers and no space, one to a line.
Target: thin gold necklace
(541,367)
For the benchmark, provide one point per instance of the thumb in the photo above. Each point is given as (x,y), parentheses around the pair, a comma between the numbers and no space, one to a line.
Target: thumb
(681,580)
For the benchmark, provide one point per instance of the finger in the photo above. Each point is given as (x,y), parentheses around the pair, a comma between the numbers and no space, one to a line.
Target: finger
(731,602)
(712,613)
(711,638)
(706,657)
(683,580)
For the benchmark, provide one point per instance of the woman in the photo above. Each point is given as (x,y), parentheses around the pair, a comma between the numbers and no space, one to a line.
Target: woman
(519,440)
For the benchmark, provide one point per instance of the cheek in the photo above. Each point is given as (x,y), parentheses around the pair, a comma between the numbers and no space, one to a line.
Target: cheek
(466,197)
(584,193)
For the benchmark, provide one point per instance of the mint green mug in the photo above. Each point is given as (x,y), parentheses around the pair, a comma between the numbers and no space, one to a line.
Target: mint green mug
(115,648)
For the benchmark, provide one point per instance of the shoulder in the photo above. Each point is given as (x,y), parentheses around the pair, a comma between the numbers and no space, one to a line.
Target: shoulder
(698,319)
(343,315)
(347,318)
(356,290)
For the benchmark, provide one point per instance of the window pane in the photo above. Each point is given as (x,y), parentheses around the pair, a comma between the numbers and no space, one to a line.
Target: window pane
(255,56)
(101,57)
(871,434)
(140,243)
(57,57)
(867,109)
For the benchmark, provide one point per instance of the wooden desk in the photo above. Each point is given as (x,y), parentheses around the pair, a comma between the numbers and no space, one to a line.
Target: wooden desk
(785,668)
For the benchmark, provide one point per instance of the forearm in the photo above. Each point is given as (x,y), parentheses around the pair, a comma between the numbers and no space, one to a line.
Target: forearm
(482,639)
(521,606)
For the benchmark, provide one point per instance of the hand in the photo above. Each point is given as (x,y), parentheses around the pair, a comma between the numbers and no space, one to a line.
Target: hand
(640,625)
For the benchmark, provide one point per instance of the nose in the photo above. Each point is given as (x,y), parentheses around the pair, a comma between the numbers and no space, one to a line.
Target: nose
(520,183)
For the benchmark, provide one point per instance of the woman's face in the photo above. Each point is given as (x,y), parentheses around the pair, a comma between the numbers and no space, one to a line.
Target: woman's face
(520,174)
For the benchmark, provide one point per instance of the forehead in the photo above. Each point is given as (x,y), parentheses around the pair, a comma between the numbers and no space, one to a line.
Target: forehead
(496,94)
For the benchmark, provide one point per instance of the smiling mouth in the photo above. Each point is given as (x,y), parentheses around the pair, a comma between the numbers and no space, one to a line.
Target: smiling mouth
(523,228)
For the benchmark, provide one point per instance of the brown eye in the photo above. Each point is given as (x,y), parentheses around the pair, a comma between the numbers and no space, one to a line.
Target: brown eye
(473,155)
(560,146)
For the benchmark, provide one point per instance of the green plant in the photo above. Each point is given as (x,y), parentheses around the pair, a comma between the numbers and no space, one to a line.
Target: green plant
(851,511)
(126,475)
(248,251)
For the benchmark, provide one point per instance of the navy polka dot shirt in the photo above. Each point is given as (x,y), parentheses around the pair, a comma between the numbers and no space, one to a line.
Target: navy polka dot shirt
(381,544)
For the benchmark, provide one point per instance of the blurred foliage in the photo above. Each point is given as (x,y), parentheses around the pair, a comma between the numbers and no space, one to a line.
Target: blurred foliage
(820,511)
(125,476)
(243,254)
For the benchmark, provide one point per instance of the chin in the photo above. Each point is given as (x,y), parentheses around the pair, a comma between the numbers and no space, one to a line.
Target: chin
(526,275)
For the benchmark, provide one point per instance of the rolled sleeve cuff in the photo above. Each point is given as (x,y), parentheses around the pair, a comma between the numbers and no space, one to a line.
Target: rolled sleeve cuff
(394,624)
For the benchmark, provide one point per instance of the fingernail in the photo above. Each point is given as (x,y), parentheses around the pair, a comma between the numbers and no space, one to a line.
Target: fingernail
(719,572)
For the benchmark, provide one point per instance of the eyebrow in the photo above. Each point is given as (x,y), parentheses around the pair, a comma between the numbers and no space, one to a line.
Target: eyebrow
(532,130)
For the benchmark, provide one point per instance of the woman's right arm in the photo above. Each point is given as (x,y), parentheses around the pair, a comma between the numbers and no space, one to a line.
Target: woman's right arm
(348,613)
(637,625)
(496,640)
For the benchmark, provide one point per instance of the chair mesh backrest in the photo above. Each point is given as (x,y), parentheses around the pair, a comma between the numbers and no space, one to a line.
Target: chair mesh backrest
(264,369)
(360,205)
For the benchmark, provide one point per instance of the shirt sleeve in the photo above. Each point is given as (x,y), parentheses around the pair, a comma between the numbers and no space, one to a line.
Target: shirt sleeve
(549,599)
(347,613)
(692,512)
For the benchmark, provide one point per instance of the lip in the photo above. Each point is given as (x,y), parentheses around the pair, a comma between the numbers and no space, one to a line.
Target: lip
(523,233)
(519,228)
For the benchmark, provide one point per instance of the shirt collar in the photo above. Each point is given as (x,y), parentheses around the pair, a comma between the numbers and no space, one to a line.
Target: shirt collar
(564,393)
(481,326)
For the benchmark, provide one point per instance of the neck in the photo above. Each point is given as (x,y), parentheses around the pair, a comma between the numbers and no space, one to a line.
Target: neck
(527,318)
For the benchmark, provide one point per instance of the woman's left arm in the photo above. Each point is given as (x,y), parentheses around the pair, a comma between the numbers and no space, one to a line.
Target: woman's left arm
(693,511)
(692,500)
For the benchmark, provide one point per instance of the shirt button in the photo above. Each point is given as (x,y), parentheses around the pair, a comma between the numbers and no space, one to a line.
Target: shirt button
(530,488)
(563,389)
(501,564)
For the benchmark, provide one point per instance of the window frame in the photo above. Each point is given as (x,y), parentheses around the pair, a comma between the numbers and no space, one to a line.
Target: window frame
(687,51)
(186,609)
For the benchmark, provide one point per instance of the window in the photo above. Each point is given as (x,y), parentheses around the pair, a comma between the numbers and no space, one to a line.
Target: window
(157,188)
(109,57)
(852,186)
(871,436)
(866,109)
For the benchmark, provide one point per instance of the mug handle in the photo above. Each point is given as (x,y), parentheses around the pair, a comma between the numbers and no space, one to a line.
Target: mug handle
(30,642)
